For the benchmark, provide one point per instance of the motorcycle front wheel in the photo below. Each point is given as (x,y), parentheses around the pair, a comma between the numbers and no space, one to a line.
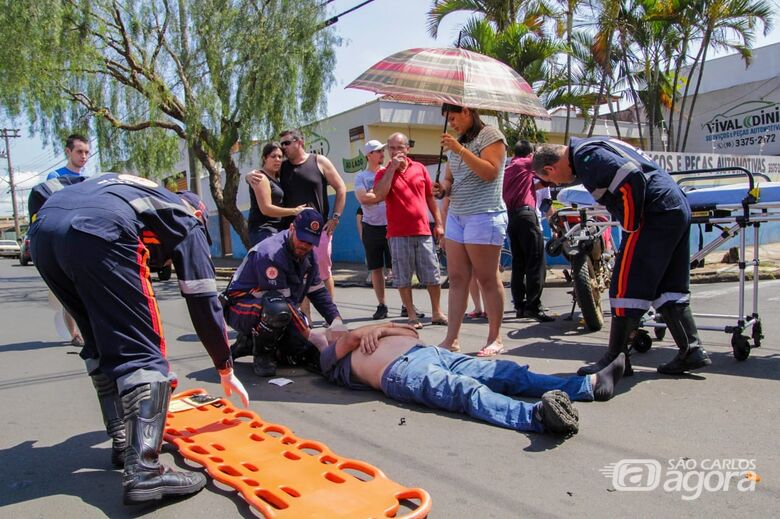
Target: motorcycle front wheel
(586,291)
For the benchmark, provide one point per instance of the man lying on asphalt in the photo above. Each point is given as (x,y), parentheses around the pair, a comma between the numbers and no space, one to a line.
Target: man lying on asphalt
(389,357)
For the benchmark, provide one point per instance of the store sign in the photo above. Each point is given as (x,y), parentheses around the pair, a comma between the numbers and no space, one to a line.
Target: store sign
(318,144)
(355,164)
(671,161)
(750,124)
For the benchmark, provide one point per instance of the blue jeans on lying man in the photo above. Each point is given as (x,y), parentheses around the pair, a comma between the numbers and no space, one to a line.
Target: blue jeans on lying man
(442,379)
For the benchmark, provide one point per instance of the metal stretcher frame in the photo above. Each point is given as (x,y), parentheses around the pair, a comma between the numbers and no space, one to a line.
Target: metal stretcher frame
(732,219)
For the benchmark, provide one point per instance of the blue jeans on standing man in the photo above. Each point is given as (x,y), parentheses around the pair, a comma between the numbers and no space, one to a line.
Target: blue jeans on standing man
(442,379)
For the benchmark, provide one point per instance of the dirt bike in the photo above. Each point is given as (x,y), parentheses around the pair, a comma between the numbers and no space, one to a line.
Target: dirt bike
(590,251)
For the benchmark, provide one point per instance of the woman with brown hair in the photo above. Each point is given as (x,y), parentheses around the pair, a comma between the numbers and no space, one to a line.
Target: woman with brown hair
(266,195)
(476,220)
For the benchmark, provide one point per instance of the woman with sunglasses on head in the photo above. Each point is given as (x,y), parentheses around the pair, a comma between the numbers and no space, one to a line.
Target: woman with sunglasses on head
(265,196)
(476,220)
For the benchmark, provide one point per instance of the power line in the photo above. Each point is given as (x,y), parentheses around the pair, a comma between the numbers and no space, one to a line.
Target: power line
(334,19)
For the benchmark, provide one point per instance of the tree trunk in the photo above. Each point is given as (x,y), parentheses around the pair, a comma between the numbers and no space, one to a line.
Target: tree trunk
(634,96)
(678,65)
(685,96)
(596,108)
(224,198)
(569,29)
(613,115)
(705,44)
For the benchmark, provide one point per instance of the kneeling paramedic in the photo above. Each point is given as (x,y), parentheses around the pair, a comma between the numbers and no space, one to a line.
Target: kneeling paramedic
(263,299)
(91,243)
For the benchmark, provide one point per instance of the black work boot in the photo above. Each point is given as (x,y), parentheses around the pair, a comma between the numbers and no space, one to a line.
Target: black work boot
(145,479)
(113,416)
(242,347)
(691,355)
(619,333)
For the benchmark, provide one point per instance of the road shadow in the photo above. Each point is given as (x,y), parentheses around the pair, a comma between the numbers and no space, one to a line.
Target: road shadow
(306,387)
(74,467)
(310,388)
(723,362)
(40,345)
(193,337)
(77,467)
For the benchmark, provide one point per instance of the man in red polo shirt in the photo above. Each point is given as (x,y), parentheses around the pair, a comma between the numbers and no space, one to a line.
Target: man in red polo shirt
(407,191)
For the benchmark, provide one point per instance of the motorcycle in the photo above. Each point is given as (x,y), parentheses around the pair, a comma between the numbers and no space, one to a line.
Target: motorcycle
(589,248)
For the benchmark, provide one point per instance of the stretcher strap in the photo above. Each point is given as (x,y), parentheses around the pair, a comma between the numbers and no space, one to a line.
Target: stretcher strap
(278,473)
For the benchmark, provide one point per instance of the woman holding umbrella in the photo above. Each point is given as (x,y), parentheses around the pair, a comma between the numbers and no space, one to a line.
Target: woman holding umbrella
(476,221)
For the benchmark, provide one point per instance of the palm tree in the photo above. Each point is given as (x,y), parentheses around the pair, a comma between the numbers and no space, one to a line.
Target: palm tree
(500,12)
(719,20)
(521,47)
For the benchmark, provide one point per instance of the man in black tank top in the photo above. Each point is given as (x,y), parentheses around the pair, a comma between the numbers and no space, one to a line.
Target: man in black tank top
(305,178)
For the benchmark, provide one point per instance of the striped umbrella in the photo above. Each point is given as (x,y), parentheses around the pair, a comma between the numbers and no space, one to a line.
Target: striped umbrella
(455,76)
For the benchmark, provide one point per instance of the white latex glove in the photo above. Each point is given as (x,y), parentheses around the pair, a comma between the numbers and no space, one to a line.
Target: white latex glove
(231,384)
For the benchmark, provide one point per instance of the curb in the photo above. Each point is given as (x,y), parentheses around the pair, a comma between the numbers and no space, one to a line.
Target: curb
(714,274)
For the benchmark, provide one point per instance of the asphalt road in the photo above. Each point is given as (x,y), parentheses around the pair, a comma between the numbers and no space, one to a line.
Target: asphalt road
(54,455)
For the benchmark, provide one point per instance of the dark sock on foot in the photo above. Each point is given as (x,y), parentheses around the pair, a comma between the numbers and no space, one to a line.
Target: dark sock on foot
(608,377)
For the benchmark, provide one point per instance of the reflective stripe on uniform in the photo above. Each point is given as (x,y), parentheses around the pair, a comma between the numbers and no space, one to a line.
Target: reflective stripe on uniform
(621,174)
(628,207)
(676,297)
(598,193)
(316,287)
(197,286)
(154,204)
(625,302)
(142,257)
(258,294)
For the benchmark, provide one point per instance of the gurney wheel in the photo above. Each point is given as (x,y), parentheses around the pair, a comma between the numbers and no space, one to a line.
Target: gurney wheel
(641,342)
(740,346)
(164,274)
(660,333)
(757,335)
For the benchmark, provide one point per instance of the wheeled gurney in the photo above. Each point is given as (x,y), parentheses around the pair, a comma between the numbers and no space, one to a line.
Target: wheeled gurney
(730,208)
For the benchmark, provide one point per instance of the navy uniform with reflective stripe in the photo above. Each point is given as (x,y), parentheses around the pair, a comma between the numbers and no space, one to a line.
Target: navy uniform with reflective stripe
(41,192)
(271,265)
(653,264)
(87,244)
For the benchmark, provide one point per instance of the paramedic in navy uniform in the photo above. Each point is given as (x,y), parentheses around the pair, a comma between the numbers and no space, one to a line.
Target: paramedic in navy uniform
(88,246)
(653,264)
(264,297)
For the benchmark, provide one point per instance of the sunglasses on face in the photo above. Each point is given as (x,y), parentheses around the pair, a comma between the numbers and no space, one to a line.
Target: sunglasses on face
(287,143)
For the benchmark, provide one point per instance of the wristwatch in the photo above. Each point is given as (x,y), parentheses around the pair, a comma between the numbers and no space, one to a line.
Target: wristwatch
(336,216)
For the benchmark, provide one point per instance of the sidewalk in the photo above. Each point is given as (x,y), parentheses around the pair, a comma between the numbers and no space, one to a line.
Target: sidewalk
(713,271)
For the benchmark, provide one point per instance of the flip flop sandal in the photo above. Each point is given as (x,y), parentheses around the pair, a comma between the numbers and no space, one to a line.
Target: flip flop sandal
(440,322)
(491,351)
(474,315)
(417,325)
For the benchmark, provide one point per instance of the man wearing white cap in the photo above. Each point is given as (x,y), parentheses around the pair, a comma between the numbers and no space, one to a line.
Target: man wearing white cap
(374,223)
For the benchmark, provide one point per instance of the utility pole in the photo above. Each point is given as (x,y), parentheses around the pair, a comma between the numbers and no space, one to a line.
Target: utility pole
(12,134)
